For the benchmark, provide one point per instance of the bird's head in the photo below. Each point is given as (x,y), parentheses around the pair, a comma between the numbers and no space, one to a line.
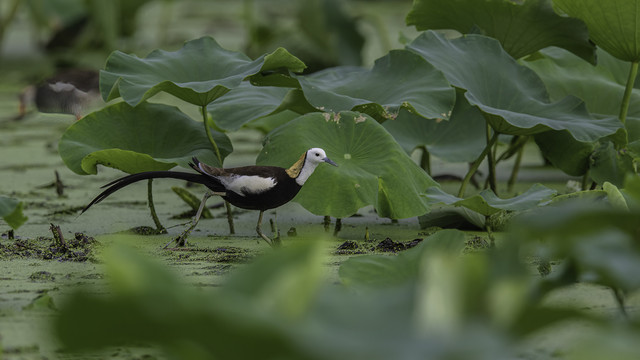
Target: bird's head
(317,155)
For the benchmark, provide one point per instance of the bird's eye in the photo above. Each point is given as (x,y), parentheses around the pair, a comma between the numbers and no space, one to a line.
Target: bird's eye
(317,154)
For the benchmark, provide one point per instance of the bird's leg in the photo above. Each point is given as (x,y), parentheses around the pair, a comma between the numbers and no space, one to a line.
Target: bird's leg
(262,235)
(180,240)
(274,227)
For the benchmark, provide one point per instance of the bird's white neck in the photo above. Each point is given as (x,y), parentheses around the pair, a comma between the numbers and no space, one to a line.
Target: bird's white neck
(306,171)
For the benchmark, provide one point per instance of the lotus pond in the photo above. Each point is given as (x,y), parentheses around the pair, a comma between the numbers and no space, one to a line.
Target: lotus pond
(484,207)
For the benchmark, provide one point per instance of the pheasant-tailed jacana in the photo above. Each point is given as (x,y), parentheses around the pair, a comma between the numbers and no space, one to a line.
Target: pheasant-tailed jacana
(248,187)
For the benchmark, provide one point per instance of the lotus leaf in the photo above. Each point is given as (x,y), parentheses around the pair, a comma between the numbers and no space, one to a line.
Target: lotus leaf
(521,27)
(613,24)
(399,79)
(601,86)
(247,103)
(200,72)
(455,140)
(512,97)
(564,152)
(487,203)
(372,168)
(135,139)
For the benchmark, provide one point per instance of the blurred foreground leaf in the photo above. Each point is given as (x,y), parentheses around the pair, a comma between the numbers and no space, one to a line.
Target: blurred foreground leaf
(383,270)
(149,304)
(596,238)
(417,305)
(11,212)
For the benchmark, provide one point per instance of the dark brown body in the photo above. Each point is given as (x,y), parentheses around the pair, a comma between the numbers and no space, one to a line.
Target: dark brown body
(284,191)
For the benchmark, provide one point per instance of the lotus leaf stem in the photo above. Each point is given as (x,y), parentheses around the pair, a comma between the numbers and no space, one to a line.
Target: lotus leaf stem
(209,134)
(326,221)
(624,107)
(620,300)
(338,226)
(425,160)
(585,180)
(232,229)
(492,162)
(514,171)
(476,164)
(514,147)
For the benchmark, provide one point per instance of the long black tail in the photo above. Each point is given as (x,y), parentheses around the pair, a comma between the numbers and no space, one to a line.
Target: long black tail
(118,184)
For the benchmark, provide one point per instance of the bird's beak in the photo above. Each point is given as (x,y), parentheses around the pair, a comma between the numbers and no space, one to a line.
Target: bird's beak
(329,161)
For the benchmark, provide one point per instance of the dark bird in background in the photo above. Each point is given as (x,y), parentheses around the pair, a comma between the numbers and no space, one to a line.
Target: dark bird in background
(248,187)
(68,92)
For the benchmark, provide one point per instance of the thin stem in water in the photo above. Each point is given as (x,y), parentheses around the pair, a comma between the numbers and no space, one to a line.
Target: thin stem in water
(492,162)
(476,164)
(152,208)
(620,299)
(515,169)
(209,134)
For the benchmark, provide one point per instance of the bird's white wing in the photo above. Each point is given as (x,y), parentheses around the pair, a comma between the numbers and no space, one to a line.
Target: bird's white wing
(247,184)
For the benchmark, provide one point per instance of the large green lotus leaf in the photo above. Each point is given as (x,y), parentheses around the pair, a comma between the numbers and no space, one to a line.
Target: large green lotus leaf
(487,203)
(11,212)
(200,72)
(613,25)
(135,139)
(247,103)
(512,97)
(372,168)
(521,27)
(244,104)
(399,79)
(455,140)
(601,86)
(564,152)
